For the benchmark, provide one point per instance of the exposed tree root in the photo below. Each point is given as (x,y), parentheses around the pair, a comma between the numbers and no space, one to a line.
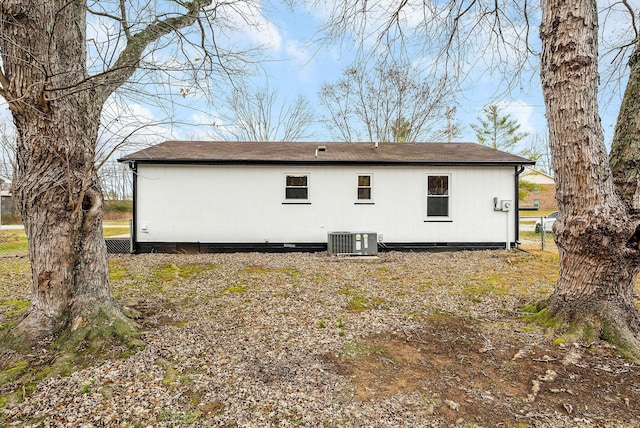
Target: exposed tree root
(106,332)
(617,326)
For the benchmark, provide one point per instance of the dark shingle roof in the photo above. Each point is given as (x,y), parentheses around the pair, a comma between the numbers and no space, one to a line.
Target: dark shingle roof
(226,152)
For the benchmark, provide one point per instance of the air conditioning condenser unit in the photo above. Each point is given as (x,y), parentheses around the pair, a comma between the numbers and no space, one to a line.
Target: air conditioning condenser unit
(352,243)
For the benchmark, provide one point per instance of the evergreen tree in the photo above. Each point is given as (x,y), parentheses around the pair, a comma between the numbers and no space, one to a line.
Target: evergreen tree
(498,132)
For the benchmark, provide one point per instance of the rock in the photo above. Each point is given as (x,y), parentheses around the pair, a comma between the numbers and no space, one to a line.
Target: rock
(452,405)
(549,376)
(572,357)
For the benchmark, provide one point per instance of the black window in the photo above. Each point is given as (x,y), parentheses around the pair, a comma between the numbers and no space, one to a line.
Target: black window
(364,187)
(438,196)
(297,187)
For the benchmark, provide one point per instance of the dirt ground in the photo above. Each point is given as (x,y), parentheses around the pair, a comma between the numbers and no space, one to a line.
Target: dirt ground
(489,381)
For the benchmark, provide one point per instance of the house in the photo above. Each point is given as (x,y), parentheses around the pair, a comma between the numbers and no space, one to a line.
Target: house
(197,196)
(537,190)
(536,176)
(5,186)
(7,210)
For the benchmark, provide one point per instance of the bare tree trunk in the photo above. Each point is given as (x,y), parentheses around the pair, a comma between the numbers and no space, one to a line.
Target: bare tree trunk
(625,149)
(61,206)
(56,183)
(597,266)
(56,108)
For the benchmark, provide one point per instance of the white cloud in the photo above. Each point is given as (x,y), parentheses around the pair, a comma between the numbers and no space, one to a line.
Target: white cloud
(248,22)
(522,112)
(297,51)
(266,34)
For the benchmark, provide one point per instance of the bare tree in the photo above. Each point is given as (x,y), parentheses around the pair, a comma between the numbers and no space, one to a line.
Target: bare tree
(261,116)
(537,149)
(451,39)
(115,180)
(388,102)
(56,77)
(598,195)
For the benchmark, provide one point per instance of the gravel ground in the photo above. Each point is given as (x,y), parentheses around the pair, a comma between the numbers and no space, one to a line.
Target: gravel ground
(284,340)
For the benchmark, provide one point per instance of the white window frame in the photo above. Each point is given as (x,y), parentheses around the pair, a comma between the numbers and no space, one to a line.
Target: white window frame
(448,196)
(358,187)
(285,187)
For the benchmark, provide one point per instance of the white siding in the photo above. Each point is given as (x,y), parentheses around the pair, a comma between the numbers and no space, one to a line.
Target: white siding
(245,204)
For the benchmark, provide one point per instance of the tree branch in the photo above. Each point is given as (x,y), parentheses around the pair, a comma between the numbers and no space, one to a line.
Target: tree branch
(127,62)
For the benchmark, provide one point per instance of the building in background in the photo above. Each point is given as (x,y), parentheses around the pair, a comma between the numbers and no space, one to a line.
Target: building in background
(537,190)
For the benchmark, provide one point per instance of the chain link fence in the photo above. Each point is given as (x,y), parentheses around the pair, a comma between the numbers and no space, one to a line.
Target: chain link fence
(532,235)
(13,241)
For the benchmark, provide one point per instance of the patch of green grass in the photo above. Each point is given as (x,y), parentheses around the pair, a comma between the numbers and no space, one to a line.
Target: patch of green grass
(117,271)
(114,231)
(383,273)
(12,309)
(349,291)
(364,303)
(490,286)
(190,417)
(171,271)
(15,307)
(359,301)
(180,324)
(239,288)
(13,372)
(559,341)
(13,241)
(362,348)
(256,269)
(171,376)
(289,271)
(539,315)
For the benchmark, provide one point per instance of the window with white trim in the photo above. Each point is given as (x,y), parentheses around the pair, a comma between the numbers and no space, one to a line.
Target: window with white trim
(364,188)
(296,187)
(438,199)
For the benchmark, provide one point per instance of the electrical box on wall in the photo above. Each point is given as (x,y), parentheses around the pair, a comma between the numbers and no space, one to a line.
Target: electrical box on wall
(506,205)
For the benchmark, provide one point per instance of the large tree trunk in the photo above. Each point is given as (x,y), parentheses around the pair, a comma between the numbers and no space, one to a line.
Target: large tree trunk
(625,148)
(56,183)
(61,207)
(594,232)
(56,107)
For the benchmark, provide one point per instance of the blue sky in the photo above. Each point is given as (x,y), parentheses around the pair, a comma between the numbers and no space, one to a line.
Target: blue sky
(298,64)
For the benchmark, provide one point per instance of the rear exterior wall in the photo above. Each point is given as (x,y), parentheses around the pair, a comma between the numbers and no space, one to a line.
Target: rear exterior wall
(246,204)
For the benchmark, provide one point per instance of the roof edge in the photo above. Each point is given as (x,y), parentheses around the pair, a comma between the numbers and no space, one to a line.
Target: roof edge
(323,162)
